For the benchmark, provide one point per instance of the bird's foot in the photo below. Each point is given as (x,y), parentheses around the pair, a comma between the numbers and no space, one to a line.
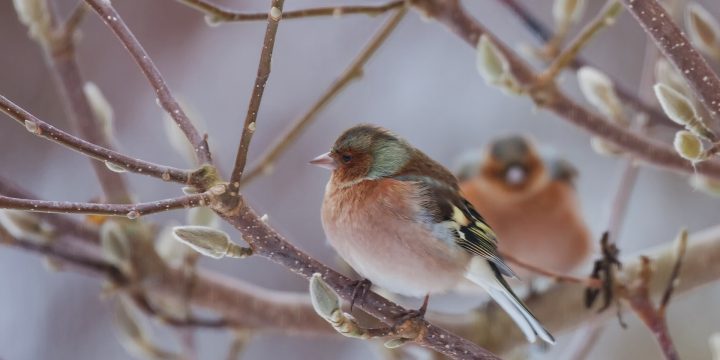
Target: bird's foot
(413,315)
(360,290)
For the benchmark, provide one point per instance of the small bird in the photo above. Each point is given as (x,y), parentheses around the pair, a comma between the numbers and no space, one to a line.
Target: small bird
(398,218)
(531,203)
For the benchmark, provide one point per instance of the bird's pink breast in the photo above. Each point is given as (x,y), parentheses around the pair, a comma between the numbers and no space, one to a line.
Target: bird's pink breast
(373,226)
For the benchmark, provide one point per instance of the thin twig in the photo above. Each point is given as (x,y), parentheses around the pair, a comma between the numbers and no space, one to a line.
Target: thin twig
(544,34)
(130,210)
(352,72)
(219,14)
(113,20)
(49,132)
(676,47)
(451,14)
(605,18)
(587,282)
(263,73)
(76,17)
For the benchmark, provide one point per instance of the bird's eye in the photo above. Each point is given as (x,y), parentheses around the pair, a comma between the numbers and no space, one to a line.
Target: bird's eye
(346,158)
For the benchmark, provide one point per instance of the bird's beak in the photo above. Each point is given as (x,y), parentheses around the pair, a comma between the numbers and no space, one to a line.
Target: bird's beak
(325,161)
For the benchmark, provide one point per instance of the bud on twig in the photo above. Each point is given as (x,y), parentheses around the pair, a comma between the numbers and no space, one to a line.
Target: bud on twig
(705,184)
(26,226)
(493,65)
(688,146)
(703,29)
(114,167)
(177,138)
(203,216)
(210,242)
(567,11)
(599,91)
(36,16)
(101,108)
(115,245)
(714,342)
(680,110)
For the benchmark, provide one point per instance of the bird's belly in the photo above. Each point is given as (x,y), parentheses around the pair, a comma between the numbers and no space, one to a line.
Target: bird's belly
(394,252)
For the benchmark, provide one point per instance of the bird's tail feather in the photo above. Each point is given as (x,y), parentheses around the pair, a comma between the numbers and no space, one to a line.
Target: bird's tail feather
(483,274)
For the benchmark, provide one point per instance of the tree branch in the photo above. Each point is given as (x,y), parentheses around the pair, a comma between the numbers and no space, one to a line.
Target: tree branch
(671,41)
(49,132)
(544,34)
(132,211)
(219,14)
(113,20)
(263,73)
(352,72)
(453,16)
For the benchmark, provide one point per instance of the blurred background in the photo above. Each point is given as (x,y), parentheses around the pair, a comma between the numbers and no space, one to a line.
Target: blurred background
(423,84)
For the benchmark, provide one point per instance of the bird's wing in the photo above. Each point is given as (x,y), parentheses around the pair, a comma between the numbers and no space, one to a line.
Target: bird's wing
(443,205)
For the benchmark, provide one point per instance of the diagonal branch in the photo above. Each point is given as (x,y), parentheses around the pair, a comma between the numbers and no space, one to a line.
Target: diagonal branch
(263,73)
(49,132)
(132,211)
(113,20)
(544,34)
(218,14)
(676,47)
(352,72)
(451,14)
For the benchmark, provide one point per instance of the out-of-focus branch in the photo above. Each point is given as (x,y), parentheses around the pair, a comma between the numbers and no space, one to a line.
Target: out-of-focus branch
(95,151)
(676,47)
(452,15)
(562,307)
(587,282)
(218,14)
(131,211)
(112,19)
(59,51)
(629,97)
(263,73)
(352,72)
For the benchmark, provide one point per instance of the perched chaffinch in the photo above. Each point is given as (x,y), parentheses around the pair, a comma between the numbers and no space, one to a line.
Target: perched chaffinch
(531,203)
(397,217)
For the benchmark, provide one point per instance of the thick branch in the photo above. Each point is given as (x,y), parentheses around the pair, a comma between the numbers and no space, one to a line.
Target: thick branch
(263,73)
(49,132)
(219,14)
(544,34)
(113,20)
(130,210)
(671,41)
(352,72)
(452,15)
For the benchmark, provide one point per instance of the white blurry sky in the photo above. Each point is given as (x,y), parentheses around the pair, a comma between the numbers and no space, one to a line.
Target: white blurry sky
(422,84)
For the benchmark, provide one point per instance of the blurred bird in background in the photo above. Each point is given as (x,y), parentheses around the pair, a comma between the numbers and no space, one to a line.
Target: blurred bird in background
(530,202)
(397,217)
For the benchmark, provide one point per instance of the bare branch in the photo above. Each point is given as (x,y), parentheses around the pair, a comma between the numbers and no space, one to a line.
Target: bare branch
(671,41)
(131,211)
(352,72)
(452,15)
(263,73)
(113,20)
(587,282)
(218,14)
(544,34)
(49,132)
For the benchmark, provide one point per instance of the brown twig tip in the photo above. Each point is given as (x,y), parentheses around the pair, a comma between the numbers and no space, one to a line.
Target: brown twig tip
(263,74)
(604,271)
(675,274)
(110,16)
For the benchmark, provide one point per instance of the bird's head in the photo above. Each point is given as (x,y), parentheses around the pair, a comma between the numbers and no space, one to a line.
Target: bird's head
(510,164)
(365,152)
